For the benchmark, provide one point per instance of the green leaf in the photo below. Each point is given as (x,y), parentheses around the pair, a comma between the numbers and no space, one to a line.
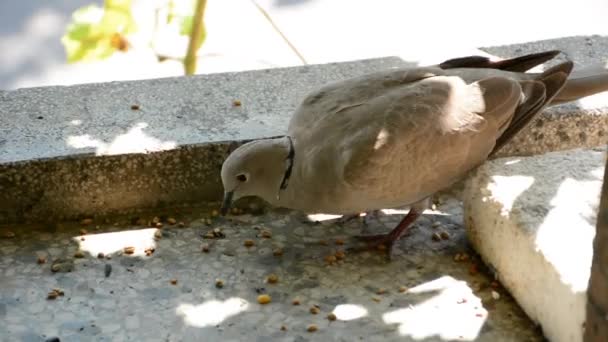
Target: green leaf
(94,31)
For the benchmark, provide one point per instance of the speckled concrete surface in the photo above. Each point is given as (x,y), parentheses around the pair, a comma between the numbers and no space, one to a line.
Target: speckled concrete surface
(445,299)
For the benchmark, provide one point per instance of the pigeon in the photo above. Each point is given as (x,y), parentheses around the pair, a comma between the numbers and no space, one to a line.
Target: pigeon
(394,138)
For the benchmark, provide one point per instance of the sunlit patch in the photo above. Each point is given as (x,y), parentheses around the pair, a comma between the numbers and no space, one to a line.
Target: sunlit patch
(322,217)
(108,243)
(212,312)
(594,101)
(512,161)
(511,187)
(76,122)
(570,224)
(348,312)
(381,139)
(134,141)
(453,313)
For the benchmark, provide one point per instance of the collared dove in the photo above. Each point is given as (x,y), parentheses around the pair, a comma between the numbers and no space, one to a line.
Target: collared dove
(394,138)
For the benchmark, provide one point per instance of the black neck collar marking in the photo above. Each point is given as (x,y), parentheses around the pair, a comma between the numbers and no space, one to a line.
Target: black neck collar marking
(290,158)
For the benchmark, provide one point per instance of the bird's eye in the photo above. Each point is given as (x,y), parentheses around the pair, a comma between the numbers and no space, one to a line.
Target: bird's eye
(241,178)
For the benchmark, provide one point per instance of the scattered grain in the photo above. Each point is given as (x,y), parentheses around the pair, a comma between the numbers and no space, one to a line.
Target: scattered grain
(129,250)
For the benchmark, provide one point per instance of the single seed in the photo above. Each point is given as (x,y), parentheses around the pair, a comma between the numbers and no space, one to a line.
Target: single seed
(283,328)
(277,251)
(159,225)
(248,243)
(264,299)
(173,281)
(129,250)
(332,316)
(236,103)
(86,221)
(205,248)
(41,260)
(7,234)
(339,255)
(100,255)
(436,224)
(330,259)
(266,234)
(171,221)
(181,224)
(79,254)
(314,310)
(83,232)
(219,283)
(444,235)
(214,213)
(436,237)
(381,291)
(403,289)
(376,299)
(272,279)
(134,107)
(339,242)
(312,328)
(295,302)
(495,295)
(158,235)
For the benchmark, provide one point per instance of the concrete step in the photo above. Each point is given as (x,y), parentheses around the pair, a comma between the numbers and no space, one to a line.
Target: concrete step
(98,149)
(532,219)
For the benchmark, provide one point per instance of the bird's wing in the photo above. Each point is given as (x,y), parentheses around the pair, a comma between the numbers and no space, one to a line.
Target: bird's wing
(419,138)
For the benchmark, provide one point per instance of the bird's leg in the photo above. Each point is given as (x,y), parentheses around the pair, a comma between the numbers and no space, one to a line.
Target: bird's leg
(387,241)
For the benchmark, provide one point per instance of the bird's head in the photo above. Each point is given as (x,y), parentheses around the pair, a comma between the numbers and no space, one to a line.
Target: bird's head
(259,168)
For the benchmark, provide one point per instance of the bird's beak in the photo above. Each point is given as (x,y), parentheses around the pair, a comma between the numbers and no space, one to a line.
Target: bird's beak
(226,203)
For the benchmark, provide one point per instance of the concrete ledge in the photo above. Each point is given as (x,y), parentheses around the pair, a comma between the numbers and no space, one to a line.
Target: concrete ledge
(98,149)
(532,219)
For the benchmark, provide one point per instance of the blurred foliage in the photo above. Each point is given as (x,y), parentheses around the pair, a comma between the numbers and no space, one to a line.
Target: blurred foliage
(97,33)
